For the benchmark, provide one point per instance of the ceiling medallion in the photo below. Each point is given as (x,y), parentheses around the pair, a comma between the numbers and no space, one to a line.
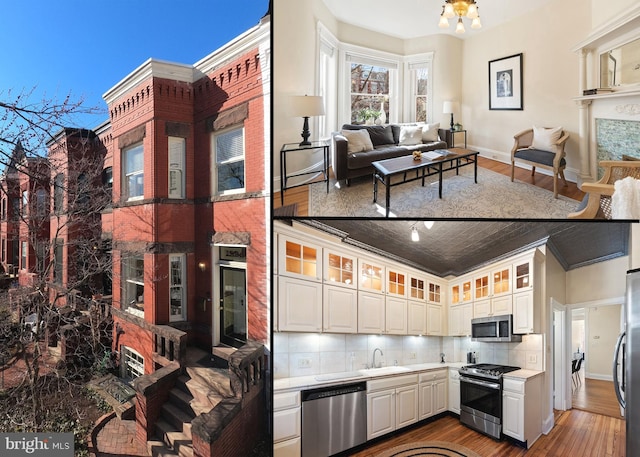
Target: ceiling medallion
(453,8)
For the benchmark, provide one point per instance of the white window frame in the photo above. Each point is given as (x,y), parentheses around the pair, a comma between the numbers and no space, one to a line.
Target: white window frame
(128,174)
(176,157)
(411,65)
(179,289)
(327,52)
(25,202)
(356,54)
(214,160)
(132,282)
(24,254)
(132,363)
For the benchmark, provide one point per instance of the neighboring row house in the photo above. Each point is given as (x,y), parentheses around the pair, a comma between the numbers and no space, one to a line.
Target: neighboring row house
(184,220)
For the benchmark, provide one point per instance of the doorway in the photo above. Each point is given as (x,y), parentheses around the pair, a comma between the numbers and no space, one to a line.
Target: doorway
(233,306)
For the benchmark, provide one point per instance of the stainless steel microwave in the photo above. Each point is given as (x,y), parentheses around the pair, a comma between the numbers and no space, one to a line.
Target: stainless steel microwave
(494,329)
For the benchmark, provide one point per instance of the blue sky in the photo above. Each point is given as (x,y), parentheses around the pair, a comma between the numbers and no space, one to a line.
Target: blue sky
(84,47)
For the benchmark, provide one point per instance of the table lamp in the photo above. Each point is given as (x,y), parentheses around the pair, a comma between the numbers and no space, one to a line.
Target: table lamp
(306,106)
(448,108)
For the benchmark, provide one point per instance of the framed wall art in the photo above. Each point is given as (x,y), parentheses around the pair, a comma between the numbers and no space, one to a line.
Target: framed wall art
(505,83)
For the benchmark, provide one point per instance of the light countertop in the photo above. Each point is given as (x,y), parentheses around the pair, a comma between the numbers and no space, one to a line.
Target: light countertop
(523,374)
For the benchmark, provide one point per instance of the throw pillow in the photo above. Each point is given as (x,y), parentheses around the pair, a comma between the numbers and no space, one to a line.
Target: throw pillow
(357,140)
(380,134)
(430,132)
(544,139)
(410,134)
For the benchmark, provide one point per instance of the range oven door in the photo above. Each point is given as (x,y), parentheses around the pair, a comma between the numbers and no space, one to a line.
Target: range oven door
(481,405)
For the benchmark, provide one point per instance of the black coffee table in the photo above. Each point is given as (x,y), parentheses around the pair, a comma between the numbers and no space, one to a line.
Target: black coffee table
(452,159)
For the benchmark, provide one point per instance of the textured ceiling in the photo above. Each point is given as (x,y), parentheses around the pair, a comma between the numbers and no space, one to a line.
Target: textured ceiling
(457,247)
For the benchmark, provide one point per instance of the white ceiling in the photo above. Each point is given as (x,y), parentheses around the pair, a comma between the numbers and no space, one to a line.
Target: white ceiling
(417,18)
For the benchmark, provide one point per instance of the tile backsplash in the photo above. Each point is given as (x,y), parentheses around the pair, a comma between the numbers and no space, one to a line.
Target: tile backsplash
(309,354)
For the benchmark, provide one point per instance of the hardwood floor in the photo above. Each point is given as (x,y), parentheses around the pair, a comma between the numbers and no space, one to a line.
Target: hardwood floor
(576,433)
(596,396)
(300,195)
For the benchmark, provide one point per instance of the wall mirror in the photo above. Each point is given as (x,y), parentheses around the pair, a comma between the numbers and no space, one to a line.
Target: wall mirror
(621,66)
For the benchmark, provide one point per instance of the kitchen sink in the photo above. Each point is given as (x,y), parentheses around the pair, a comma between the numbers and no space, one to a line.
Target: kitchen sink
(384,370)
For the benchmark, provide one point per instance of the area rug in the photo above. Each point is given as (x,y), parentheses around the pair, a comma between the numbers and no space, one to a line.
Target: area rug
(439,448)
(495,196)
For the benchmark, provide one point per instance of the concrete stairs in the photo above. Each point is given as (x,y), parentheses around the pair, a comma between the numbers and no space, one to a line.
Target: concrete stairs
(196,392)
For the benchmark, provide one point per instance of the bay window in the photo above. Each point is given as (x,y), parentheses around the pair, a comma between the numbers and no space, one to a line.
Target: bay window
(133,166)
(176,167)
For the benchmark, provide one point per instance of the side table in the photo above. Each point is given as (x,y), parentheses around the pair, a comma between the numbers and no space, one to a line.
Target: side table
(293,147)
(450,138)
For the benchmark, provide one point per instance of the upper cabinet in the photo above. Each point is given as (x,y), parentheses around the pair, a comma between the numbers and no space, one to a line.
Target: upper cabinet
(396,282)
(436,293)
(371,275)
(501,280)
(417,288)
(340,268)
(299,259)
(523,275)
(462,292)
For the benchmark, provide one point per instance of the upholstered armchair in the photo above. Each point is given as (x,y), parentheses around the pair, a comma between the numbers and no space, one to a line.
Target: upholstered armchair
(597,202)
(540,147)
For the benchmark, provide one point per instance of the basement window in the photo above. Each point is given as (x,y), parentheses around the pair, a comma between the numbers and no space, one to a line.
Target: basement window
(132,365)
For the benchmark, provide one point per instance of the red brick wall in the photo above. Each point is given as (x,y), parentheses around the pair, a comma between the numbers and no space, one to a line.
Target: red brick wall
(128,334)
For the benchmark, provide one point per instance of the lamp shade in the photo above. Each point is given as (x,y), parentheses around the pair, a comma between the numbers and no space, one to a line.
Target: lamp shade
(307,105)
(447,107)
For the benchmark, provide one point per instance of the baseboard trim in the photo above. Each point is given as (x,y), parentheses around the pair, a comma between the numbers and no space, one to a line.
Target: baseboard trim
(600,377)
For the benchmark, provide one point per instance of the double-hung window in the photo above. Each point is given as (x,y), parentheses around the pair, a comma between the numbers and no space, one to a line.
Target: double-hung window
(419,88)
(133,160)
(133,284)
(58,192)
(176,167)
(229,153)
(25,202)
(132,363)
(177,287)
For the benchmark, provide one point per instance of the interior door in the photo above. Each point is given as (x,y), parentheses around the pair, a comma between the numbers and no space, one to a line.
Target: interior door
(233,306)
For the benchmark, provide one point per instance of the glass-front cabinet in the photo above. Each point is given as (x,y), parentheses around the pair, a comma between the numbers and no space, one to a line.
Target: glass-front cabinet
(435,293)
(462,292)
(522,275)
(481,287)
(501,280)
(299,259)
(340,269)
(396,283)
(371,275)
(417,288)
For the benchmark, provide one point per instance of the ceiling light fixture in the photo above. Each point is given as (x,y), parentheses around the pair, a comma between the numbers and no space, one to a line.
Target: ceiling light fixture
(453,8)
(428,224)
(415,236)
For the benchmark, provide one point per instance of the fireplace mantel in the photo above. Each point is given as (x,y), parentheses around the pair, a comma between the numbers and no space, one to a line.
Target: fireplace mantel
(621,104)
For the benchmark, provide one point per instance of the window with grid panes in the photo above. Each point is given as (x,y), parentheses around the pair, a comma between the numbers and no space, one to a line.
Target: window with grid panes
(229,153)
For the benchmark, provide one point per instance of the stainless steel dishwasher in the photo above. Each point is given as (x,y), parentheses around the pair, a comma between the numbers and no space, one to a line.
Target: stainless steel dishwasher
(333,419)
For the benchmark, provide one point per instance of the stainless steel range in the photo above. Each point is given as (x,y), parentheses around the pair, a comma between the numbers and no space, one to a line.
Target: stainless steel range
(481,397)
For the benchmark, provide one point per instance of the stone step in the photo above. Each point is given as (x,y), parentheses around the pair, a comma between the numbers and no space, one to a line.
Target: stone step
(157,448)
(174,438)
(181,383)
(181,399)
(176,417)
(221,355)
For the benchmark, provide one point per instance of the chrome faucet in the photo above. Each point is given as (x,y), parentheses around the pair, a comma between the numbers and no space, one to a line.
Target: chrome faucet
(373,362)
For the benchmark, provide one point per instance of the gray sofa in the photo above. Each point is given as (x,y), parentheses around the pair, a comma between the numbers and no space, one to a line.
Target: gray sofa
(385,140)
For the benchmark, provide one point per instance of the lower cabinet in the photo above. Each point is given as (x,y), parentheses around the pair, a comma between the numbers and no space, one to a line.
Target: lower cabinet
(287,423)
(392,403)
(454,390)
(521,409)
(433,393)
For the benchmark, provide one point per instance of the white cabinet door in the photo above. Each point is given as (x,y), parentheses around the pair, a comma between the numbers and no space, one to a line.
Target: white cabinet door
(502,305)
(460,320)
(417,288)
(513,412)
(371,276)
(523,275)
(340,268)
(482,308)
(300,305)
(371,315)
(436,293)
(406,406)
(396,316)
(339,310)
(440,396)
(416,317)
(397,282)
(467,314)
(381,413)
(523,312)
(454,394)
(435,320)
(426,400)
(299,259)
(286,424)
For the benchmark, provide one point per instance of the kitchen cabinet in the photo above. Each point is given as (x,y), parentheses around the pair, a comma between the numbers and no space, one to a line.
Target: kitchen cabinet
(521,409)
(371,276)
(416,317)
(435,293)
(433,393)
(395,316)
(461,292)
(435,320)
(340,268)
(524,313)
(287,420)
(339,309)
(392,403)
(495,306)
(417,288)
(460,320)
(454,390)
(299,259)
(523,275)
(299,305)
(396,282)
(371,312)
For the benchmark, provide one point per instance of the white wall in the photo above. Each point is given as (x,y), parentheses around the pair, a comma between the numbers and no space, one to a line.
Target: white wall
(603,327)
(603,10)
(602,281)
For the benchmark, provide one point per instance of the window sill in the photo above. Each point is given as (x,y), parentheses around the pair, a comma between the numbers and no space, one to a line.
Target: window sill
(136,312)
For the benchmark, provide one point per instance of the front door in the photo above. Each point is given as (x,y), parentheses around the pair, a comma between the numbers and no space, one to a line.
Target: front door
(233,306)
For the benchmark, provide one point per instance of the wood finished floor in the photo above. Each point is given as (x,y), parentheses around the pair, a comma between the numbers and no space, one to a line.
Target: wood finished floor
(576,433)
(596,396)
(300,195)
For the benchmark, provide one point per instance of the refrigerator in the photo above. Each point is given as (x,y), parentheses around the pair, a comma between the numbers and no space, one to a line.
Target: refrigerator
(626,363)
